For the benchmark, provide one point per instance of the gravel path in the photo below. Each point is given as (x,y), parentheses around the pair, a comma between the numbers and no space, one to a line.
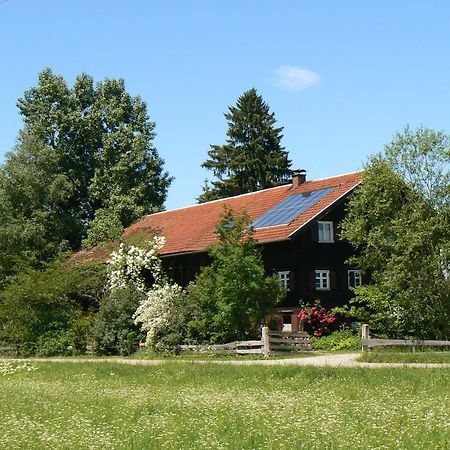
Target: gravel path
(338,360)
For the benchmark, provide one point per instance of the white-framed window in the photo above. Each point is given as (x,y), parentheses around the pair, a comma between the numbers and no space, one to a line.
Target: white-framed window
(354,278)
(325,231)
(284,279)
(322,280)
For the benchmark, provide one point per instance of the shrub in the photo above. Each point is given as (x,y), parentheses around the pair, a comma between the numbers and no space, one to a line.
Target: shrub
(158,315)
(81,333)
(139,293)
(343,339)
(53,343)
(166,315)
(49,301)
(129,265)
(316,319)
(114,329)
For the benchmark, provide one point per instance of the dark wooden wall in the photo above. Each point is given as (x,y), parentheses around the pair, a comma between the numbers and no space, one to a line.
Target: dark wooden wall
(304,254)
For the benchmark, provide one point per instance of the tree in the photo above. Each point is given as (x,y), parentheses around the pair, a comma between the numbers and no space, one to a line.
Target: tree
(35,208)
(399,222)
(84,152)
(253,158)
(232,294)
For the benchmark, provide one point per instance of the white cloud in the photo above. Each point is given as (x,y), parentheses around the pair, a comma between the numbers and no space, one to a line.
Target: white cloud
(296,78)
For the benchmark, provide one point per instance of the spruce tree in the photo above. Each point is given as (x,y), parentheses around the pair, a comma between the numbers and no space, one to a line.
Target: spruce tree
(253,157)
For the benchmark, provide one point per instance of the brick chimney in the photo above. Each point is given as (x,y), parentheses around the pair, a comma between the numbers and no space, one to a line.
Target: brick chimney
(298,177)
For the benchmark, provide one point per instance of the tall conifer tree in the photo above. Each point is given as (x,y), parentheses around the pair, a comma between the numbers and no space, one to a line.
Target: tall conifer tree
(253,157)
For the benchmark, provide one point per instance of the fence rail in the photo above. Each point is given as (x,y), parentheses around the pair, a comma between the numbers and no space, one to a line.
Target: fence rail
(271,342)
(9,348)
(368,343)
(236,347)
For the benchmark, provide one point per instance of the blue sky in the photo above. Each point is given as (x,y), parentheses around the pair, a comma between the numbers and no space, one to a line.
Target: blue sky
(342,77)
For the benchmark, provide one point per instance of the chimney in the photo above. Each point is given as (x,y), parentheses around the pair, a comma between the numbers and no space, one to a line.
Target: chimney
(298,177)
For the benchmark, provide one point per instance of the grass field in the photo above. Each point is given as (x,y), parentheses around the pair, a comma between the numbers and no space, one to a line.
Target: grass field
(192,406)
(403,357)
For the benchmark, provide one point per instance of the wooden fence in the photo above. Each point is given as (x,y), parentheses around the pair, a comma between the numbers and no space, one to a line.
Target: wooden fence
(368,343)
(271,342)
(236,347)
(9,350)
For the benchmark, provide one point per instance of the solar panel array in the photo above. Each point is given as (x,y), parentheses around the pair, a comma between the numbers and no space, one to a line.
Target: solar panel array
(290,208)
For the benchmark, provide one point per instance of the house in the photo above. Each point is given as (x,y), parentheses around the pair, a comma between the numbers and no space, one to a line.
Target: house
(296,224)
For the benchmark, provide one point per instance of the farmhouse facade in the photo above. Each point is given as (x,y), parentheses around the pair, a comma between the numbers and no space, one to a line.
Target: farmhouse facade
(297,226)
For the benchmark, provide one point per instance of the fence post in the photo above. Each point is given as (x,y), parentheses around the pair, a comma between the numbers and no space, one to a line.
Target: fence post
(301,325)
(265,341)
(364,335)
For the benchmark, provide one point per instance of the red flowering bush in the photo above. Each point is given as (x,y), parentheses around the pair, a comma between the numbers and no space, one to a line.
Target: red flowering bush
(316,319)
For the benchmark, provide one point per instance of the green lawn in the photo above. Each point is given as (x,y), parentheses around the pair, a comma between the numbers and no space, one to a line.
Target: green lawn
(184,406)
(402,357)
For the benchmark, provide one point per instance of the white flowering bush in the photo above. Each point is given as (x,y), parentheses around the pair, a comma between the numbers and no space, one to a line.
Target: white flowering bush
(157,311)
(125,266)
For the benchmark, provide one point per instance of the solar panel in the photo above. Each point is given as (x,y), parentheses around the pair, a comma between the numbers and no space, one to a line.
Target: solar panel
(290,208)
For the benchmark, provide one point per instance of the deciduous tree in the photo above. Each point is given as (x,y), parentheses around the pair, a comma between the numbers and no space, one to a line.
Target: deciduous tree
(83,149)
(399,222)
(232,294)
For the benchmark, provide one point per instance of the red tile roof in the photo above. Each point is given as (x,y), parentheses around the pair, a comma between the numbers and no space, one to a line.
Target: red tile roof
(191,229)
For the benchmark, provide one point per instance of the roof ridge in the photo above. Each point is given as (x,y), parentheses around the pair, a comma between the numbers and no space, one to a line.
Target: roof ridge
(219,200)
(336,176)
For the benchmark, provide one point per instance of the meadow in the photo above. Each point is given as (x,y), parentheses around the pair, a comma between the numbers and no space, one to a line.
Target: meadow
(194,406)
(426,357)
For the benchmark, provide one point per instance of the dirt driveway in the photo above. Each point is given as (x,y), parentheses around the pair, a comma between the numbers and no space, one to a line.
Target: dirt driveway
(338,360)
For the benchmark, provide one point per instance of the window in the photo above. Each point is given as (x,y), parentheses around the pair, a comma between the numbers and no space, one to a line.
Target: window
(354,278)
(284,279)
(322,280)
(325,231)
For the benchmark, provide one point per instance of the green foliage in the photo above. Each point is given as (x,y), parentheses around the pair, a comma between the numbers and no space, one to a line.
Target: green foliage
(106,227)
(405,357)
(339,340)
(232,294)
(115,332)
(422,158)
(80,333)
(35,216)
(53,343)
(253,158)
(51,303)
(399,222)
(82,149)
